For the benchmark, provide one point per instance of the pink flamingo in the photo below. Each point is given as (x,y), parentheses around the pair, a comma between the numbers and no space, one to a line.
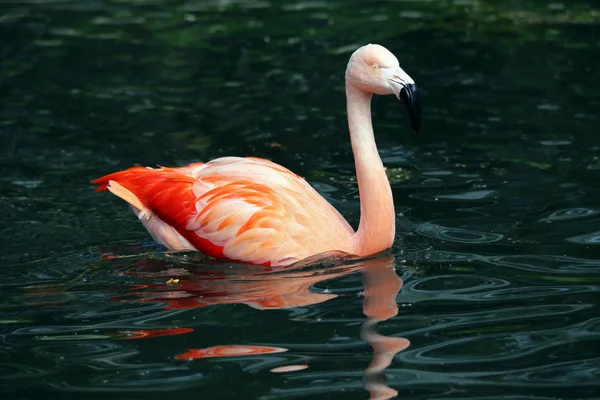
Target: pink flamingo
(255,211)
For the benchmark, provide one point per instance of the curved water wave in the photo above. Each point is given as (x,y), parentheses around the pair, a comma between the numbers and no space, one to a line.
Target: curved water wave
(257,364)
(77,352)
(439,256)
(100,329)
(545,264)
(450,285)
(570,213)
(109,310)
(560,375)
(524,292)
(520,347)
(471,196)
(508,316)
(457,235)
(10,372)
(163,378)
(592,238)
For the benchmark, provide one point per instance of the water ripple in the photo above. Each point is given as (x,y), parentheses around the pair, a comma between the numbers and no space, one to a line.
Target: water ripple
(471,196)
(499,317)
(457,235)
(530,292)
(10,372)
(588,238)
(449,285)
(547,264)
(570,213)
(77,350)
(164,378)
(572,374)
(500,347)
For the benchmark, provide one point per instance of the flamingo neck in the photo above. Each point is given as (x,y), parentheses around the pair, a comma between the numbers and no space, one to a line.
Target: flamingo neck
(377,226)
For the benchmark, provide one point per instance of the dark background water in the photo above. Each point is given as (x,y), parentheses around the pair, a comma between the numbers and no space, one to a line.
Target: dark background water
(498,200)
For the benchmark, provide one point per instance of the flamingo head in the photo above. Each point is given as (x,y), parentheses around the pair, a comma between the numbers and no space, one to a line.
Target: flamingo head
(374,69)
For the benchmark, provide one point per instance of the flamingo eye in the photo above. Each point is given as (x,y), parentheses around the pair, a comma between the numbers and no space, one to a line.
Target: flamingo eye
(375,66)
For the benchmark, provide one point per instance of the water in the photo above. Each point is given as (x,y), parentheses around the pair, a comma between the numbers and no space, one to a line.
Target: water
(490,291)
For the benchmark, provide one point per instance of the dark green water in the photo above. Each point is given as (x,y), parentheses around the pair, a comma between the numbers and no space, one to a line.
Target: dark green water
(498,247)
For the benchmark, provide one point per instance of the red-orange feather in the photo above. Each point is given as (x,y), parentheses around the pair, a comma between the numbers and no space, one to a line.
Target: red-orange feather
(168,194)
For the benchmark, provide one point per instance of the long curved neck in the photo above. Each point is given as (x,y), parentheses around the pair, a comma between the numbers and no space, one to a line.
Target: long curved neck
(377,226)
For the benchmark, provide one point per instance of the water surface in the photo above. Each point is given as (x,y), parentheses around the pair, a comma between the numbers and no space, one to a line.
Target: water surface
(490,291)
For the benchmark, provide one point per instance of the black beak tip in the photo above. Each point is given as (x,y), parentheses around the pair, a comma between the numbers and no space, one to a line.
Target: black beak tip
(415,121)
(410,97)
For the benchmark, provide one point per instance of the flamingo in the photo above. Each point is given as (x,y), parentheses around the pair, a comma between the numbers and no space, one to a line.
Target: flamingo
(252,210)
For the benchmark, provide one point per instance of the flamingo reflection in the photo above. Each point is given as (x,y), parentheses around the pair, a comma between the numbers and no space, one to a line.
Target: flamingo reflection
(186,287)
(382,285)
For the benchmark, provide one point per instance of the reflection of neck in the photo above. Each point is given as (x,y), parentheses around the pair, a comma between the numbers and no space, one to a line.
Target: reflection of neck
(377,226)
(382,285)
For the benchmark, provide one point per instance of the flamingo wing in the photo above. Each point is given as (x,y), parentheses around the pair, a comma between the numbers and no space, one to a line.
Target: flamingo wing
(245,209)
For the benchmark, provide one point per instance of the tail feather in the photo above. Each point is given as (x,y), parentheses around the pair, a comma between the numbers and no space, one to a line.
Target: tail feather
(164,192)
(143,180)
(120,176)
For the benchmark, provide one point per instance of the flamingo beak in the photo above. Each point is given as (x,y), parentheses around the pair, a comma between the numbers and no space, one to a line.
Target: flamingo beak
(410,97)
(403,86)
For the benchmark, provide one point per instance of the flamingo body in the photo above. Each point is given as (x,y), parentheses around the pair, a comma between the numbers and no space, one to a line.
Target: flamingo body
(255,211)
(244,209)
